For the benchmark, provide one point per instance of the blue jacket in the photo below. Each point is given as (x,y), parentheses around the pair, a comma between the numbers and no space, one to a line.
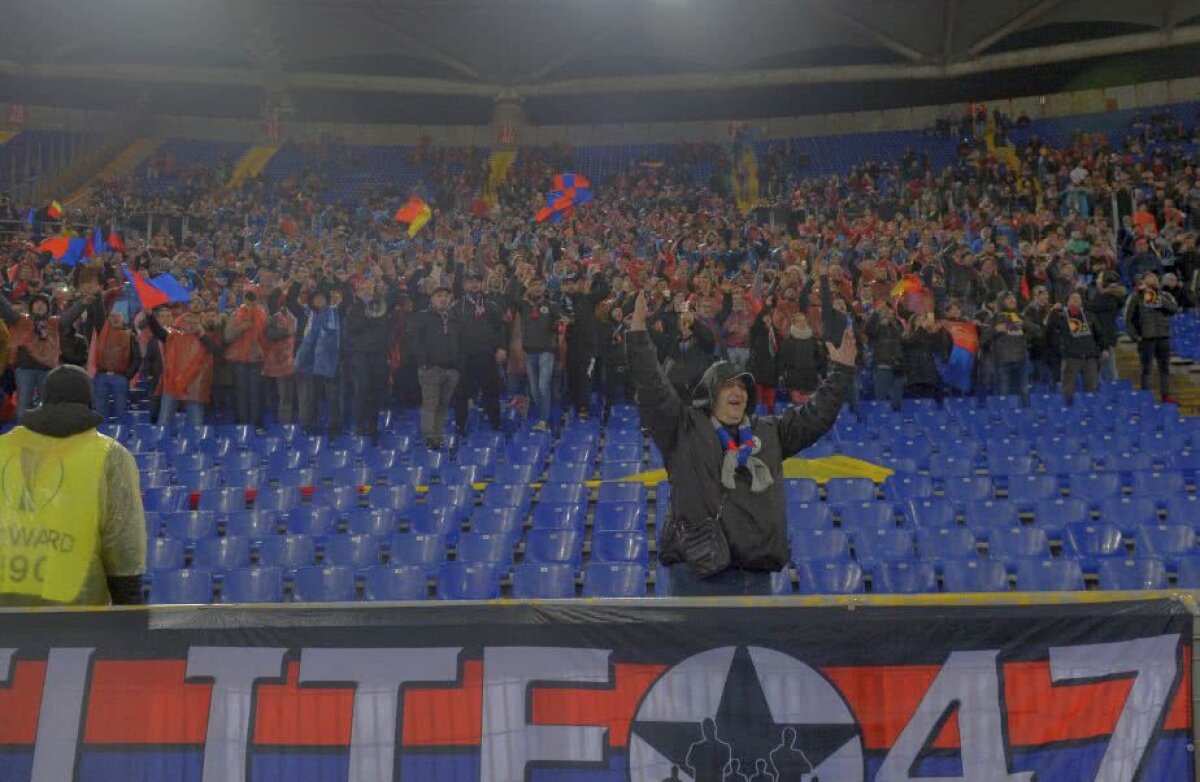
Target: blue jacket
(320,345)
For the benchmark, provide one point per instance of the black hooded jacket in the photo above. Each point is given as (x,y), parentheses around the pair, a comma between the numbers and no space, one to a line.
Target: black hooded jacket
(754,523)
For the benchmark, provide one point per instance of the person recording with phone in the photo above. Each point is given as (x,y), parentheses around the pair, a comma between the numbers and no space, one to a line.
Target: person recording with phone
(726,532)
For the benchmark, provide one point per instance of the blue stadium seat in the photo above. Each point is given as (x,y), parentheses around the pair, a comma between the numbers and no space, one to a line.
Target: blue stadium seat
(168,499)
(1066,462)
(810,544)
(985,514)
(1005,465)
(1165,541)
(1028,490)
(460,498)
(951,466)
(577,452)
(1093,541)
(225,500)
(1095,486)
(351,477)
(513,473)
(506,495)
(479,439)
(931,512)
(1128,513)
(800,490)
(622,452)
(155,479)
(869,515)
(287,552)
(974,575)
(939,545)
(1054,515)
(1183,509)
(283,462)
(883,545)
(182,587)
(555,493)
(498,521)
(278,498)
(485,547)
(849,490)
(622,491)
(164,554)
(902,487)
(353,551)
(1154,484)
(1187,572)
(482,457)
(398,498)
(221,555)
(1008,447)
(414,548)
(619,547)
(253,585)
(1132,574)
(614,579)
(544,546)
(1049,575)
(1017,543)
(543,581)
(570,472)
(342,499)
(324,584)
(781,583)
(468,581)
(613,471)
(620,516)
(378,522)
(809,515)
(380,461)
(830,578)
(240,461)
(187,462)
(190,524)
(396,582)
(433,461)
(569,517)
(253,524)
(299,478)
(432,520)
(903,578)
(406,475)
(312,520)
(968,489)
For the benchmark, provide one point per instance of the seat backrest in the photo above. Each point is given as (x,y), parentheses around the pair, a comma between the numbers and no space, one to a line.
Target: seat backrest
(190,524)
(287,551)
(974,575)
(396,582)
(412,548)
(614,579)
(253,585)
(355,551)
(1133,574)
(324,584)
(468,581)
(1094,539)
(484,547)
(312,520)
(221,554)
(178,587)
(819,544)
(900,577)
(545,581)
(618,547)
(1049,575)
(164,554)
(1018,543)
(940,544)
(553,545)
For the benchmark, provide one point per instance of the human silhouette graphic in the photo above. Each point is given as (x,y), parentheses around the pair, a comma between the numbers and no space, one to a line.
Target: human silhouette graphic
(789,760)
(734,773)
(708,757)
(674,775)
(761,772)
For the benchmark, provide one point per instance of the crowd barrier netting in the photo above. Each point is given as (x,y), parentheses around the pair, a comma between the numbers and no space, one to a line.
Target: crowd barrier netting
(988,689)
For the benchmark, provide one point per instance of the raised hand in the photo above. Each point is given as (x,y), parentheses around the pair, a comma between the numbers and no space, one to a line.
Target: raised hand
(845,353)
(640,311)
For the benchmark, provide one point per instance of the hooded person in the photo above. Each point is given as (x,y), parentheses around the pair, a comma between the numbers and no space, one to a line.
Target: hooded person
(36,340)
(369,331)
(318,360)
(725,465)
(74,496)
(188,364)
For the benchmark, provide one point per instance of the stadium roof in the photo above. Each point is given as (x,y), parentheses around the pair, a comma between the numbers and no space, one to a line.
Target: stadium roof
(473,51)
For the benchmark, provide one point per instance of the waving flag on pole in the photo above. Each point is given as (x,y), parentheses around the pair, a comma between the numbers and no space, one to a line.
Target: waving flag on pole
(570,191)
(416,213)
(67,250)
(147,294)
(168,284)
(115,242)
(910,292)
(54,211)
(956,371)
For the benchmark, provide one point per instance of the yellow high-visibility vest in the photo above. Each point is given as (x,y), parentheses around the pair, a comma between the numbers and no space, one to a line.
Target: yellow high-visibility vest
(49,513)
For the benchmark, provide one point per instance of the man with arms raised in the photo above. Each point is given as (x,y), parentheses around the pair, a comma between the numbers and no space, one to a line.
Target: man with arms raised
(726,466)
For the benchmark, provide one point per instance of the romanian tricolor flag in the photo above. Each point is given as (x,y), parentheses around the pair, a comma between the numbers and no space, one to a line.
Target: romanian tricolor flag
(416,213)
(54,211)
(956,371)
(910,292)
(570,191)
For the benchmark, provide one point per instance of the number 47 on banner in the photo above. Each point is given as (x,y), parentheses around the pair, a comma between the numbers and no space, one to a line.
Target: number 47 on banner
(969,683)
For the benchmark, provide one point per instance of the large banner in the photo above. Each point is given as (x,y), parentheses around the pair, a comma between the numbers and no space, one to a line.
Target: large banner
(645,691)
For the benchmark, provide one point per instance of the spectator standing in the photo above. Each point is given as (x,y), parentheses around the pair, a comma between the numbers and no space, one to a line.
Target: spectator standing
(437,349)
(37,338)
(480,316)
(1073,329)
(885,334)
(245,335)
(188,349)
(317,362)
(279,357)
(118,359)
(1010,348)
(1105,304)
(1148,321)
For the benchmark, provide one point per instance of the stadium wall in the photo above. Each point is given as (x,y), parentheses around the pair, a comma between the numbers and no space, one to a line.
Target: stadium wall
(916,118)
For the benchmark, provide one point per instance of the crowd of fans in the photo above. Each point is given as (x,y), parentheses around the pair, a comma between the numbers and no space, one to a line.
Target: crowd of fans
(324,312)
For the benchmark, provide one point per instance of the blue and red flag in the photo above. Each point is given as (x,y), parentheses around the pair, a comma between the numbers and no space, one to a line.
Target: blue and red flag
(66,249)
(570,191)
(957,370)
(147,293)
(115,242)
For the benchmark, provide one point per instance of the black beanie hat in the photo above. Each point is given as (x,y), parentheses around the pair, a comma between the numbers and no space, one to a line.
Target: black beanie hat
(68,384)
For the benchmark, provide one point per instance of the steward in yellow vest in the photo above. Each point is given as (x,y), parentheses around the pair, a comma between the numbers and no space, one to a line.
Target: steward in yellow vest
(72,529)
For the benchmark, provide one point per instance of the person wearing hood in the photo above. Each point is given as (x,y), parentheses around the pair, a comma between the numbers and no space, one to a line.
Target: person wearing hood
(480,317)
(279,350)
(1010,348)
(1148,321)
(436,347)
(1171,284)
(317,362)
(369,332)
(1105,304)
(37,338)
(884,333)
(188,364)
(74,528)
(725,465)
(1073,329)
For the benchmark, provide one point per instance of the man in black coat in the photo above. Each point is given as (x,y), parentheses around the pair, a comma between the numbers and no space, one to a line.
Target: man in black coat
(725,464)
(369,329)
(480,317)
(436,349)
(583,345)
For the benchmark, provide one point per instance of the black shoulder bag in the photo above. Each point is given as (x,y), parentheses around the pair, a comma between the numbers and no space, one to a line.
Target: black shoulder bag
(703,543)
